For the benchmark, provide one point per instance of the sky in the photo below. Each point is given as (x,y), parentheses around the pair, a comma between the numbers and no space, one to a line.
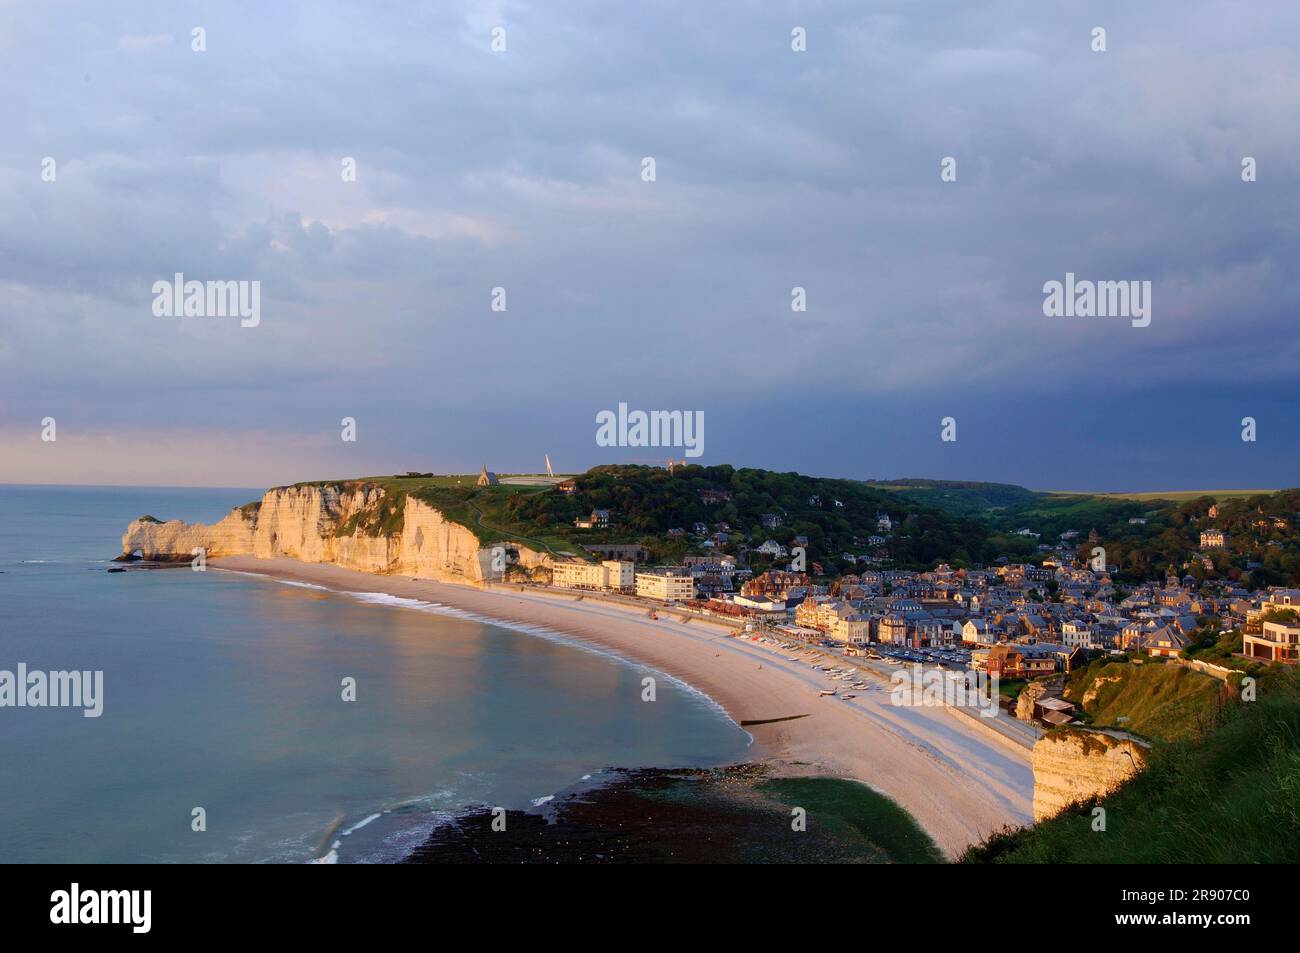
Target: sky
(523,169)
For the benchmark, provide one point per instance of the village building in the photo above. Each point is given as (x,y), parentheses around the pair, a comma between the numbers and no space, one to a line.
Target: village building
(667,584)
(609,575)
(599,519)
(1213,539)
(1276,642)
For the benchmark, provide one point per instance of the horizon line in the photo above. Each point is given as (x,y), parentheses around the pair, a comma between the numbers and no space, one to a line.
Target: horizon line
(264,489)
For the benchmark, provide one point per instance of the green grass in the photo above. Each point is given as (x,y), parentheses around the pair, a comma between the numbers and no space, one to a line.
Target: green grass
(1011,687)
(861,812)
(1225,651)
(1175,496)
(485,511)
(1232,798)
(382,518)
(1160,701)
(482,510)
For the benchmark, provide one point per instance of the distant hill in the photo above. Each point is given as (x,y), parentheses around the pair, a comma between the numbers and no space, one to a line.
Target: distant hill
(835,516)
(961,497)
(961,523)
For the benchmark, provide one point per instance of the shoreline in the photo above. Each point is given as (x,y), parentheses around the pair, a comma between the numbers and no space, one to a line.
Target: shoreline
(958,783)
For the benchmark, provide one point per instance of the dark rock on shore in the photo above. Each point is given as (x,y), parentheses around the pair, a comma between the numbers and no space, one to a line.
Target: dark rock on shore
(725,815)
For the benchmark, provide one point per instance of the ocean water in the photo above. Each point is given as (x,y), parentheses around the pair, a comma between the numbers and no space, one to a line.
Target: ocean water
(222,691)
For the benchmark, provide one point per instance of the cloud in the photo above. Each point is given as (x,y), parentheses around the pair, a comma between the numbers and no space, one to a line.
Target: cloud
(522,170)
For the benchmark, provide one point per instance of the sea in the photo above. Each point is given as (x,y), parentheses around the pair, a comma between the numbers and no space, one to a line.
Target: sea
(225,735)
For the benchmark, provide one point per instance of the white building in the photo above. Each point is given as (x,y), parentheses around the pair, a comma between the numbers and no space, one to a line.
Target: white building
(977,632)
(620,574)
(1213,539)
(610,574)
(670,584)
(1077,634)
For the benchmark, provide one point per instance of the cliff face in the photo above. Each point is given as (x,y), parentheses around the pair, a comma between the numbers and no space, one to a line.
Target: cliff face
(1028,697)
(1073,765)
(333,524)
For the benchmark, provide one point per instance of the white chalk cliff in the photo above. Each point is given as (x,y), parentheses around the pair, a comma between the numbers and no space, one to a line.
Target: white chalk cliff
(1073,764)
(333,523)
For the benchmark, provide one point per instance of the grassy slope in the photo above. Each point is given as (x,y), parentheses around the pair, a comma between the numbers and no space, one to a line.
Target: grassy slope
(1155,700)
(1176,496)
(1233,798)
(861,813)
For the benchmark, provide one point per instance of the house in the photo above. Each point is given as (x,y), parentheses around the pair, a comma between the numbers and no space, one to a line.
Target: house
(1165,642)
(1003,661)
(892,629)
(765,605)
(599,519)
(772,548)
(1276,642)
(1213,539)
(852,627)
(977,632)
(807,614)
(487,478)
(1077,633)
(1134,633)
(829,611)
(567,487)
(710,497)
(927,630)
(884,523)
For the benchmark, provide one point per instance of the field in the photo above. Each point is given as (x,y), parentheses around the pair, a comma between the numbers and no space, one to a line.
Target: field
(1174,496)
